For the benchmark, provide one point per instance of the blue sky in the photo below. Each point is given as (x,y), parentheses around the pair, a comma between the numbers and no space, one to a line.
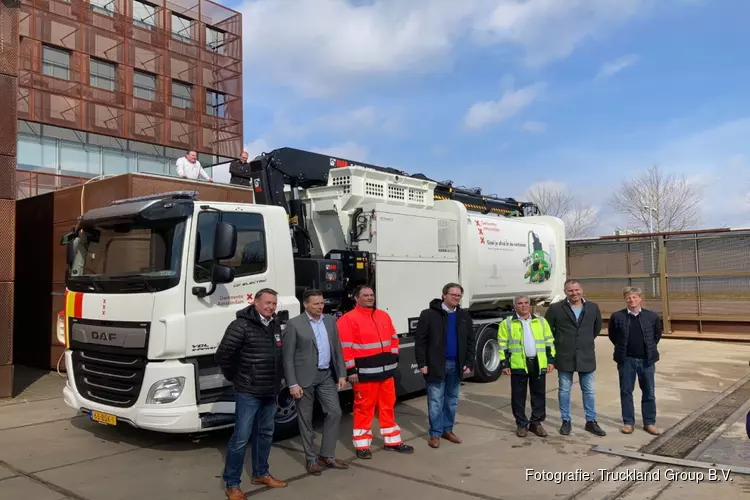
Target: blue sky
(506,94)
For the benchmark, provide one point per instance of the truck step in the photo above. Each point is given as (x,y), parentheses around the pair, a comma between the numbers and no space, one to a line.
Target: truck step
(209,420)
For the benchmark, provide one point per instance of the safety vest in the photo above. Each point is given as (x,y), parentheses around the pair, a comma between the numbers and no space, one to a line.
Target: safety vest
(510,339)
(369,343)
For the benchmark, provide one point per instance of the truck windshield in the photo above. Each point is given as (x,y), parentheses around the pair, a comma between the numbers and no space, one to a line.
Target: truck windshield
(128,258)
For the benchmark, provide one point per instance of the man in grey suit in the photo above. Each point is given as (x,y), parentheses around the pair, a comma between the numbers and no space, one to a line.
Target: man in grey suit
(314,369)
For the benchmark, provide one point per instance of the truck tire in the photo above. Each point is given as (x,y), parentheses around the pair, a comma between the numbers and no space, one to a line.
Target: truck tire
(285,419)
(487,361)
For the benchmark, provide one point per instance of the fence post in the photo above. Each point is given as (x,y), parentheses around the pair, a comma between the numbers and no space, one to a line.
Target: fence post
(663,284)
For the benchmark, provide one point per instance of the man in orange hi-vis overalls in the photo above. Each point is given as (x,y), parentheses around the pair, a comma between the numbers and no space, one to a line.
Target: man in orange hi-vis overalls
(370,346)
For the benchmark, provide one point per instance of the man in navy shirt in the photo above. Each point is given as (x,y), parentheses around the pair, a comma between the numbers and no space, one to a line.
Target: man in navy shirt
(444,350)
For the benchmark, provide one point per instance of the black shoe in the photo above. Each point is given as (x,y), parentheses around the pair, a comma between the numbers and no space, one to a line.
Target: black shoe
(365,454)
(401,448)
(594,428)
(566,427)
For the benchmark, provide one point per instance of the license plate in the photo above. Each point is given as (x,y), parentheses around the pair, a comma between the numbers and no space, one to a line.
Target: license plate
(103,418)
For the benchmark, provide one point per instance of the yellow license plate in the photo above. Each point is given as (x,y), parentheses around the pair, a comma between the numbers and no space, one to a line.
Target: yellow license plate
(103,418)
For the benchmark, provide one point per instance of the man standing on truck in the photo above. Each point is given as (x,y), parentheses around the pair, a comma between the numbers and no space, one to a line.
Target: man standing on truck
(444,350)
(575,324)
(240,171)
(250,356)
(526,341)
(635,332)
(314,369)
(188,167)
(370,345)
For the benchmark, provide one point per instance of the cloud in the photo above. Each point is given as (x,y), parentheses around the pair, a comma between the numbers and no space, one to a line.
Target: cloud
(613,67)
(363,120)
(534,127)
(485,113)
(341,45)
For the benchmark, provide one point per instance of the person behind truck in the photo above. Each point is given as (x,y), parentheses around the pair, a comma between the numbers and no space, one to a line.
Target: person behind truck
(188,167)
(528,349)
(575,324)
(370,345)
(250,356)
(240,171)
(635,332)
(444,350)
(314,370)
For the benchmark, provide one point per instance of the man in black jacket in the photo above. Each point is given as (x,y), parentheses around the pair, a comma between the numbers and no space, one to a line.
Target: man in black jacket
(250,356)
(444,350)
(240,171)
(635,332)
(575,324)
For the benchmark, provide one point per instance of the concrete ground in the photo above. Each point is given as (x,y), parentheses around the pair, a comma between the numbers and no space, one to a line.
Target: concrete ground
(48,453)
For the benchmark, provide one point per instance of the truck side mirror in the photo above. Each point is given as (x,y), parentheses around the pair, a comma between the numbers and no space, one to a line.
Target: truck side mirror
(222,274)
(225,241)
(70,252)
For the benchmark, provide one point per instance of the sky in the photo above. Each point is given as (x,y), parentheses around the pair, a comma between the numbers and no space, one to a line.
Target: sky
(506,94)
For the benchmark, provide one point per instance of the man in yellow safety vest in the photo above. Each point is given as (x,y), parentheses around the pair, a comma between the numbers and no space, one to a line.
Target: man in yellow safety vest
(527,354)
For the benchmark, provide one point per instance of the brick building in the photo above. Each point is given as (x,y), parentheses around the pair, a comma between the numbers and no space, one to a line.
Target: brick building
(101,87)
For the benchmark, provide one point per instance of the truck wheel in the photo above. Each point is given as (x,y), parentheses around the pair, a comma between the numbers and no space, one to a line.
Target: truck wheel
(285,419)
(487,361)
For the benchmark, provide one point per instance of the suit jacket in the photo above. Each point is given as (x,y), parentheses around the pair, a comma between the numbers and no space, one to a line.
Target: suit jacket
(575,341)
(301,351)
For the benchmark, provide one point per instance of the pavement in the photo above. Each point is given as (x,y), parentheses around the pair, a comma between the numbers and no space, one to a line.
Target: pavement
(49,453)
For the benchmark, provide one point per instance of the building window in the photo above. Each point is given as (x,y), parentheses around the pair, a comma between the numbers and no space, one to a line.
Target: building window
(56,62)
(144,15)
(144,86)
(215,40)
(181,28)
(103,75)
(216,104)
(104,7)
(181,95)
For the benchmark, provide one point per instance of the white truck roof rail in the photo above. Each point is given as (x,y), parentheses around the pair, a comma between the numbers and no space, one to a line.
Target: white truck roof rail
(364,185)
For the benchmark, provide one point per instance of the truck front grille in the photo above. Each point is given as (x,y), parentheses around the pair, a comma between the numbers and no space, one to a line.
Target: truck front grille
(110,379)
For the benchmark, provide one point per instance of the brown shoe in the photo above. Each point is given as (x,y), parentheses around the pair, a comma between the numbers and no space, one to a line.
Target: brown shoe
(627,429)
(522,432)
(314,468)
(651,429)
(332,463)
(269,481)
(434,442)
(235,494)
(452,438)
(538,430)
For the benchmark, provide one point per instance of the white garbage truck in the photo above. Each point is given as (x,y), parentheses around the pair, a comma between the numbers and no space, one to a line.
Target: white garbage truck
(154,281)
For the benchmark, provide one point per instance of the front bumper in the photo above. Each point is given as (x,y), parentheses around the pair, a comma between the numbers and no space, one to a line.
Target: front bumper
(180,416)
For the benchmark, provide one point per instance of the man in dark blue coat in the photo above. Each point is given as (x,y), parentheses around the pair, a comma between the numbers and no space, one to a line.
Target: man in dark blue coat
(635,332)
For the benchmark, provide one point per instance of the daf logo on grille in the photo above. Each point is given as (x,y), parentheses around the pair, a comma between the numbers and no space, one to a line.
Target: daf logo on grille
(105,336)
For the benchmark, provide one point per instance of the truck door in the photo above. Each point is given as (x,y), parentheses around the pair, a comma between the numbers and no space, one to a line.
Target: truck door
(208,317)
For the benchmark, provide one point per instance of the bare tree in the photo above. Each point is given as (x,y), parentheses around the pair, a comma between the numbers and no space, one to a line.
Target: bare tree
(657,201)
(555,200)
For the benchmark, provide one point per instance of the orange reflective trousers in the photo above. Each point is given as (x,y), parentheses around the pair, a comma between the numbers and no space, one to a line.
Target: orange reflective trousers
(367,397)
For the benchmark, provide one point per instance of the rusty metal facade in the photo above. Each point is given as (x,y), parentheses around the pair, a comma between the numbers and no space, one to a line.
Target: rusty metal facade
(699,282)
(9,18)
(201,48)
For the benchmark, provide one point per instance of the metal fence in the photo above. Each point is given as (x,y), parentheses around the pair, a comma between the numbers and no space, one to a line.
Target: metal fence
(699,282)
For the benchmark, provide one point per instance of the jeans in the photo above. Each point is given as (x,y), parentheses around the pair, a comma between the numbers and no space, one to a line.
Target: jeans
(253,420)
(442,400)
(565,382)
(629,370)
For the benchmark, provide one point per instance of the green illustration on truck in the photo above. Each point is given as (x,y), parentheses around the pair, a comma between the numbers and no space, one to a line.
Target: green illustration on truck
(538,262)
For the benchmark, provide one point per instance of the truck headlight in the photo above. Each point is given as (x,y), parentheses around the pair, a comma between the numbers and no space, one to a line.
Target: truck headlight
(165,391)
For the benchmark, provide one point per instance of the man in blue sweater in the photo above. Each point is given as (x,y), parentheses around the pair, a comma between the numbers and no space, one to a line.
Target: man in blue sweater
(444,350)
